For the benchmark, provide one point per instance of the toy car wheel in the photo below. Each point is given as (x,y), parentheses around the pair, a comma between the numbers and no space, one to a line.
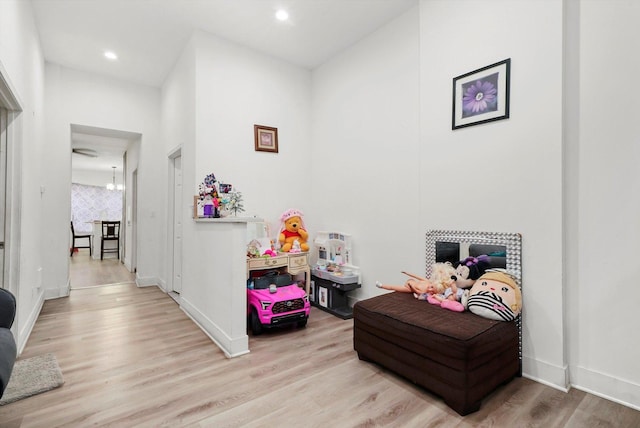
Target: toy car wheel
(302,324)
(254,322)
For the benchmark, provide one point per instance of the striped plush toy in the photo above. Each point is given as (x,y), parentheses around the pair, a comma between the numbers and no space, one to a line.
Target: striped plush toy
(495,295)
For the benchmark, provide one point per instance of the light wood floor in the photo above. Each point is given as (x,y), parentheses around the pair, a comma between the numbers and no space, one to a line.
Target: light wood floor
(87,272)
(131,358)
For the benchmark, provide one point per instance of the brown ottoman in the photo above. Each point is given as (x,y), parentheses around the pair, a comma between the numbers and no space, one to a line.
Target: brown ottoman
(461,357)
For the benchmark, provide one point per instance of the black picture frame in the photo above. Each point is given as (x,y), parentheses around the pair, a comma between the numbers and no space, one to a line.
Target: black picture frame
(481,95)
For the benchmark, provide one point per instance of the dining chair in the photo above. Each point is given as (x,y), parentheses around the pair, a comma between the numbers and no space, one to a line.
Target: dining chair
(110,232)
(76,236)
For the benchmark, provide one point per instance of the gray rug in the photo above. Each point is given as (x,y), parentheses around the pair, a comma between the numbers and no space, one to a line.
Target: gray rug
(32,376)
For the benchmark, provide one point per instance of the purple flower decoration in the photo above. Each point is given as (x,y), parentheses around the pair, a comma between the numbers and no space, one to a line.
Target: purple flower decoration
(480,97)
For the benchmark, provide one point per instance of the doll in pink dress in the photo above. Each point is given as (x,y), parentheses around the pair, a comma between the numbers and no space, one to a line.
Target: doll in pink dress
(439,289)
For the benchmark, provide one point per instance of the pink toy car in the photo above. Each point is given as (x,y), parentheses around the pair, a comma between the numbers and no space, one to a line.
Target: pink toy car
(275,300)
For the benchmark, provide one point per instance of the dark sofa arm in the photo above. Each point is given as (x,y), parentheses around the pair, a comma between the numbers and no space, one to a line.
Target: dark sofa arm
(7,308)
(7,342)
(7,357)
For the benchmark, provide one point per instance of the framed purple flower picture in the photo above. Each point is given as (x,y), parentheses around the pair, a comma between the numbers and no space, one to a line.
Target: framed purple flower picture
(482,95)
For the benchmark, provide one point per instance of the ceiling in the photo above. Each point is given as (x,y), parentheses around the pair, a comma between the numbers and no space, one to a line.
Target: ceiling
(149,35)
(98,149)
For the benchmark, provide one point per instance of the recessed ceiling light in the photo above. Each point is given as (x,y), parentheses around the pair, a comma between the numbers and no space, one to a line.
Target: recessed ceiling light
(282,15)
(110,55)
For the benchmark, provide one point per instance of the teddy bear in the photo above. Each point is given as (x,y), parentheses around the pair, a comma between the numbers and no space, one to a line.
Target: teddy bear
(292,229)
(495,295)
(439,289)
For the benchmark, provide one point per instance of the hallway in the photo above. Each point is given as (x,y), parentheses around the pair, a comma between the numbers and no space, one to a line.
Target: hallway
(86,272)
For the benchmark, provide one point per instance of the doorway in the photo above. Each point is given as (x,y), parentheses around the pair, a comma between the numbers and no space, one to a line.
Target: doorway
(101,164)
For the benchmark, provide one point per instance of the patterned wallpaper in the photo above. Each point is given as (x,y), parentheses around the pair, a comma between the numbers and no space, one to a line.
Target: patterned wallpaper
(90,203)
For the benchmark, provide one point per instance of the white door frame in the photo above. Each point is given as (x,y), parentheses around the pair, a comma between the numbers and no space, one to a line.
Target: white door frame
(13,195)
(133,217)
(123,216)
(174,206)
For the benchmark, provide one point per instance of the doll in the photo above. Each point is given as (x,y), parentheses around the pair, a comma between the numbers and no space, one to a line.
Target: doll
(439,289)
(470,269)
(415,284)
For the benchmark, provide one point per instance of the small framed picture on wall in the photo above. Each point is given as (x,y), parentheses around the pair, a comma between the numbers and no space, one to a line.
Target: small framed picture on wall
(266,138)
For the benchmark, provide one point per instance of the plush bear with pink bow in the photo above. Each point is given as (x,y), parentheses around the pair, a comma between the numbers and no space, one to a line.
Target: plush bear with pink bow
(292,229)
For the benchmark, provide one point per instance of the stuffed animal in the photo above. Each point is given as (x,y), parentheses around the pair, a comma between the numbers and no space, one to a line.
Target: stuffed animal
(292,228)
(253,249)
(439,289)
(470,269)
(495,295)
(269,252)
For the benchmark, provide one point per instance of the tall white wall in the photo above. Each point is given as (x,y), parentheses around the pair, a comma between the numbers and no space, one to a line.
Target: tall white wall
(387,167)
(75,97)
(178,132)
(22,65)
(556,176)
(365,153)
(506,175)
(237,88)
(215,94)
(602,296)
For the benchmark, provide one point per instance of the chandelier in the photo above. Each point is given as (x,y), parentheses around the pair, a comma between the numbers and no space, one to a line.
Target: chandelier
(112,185)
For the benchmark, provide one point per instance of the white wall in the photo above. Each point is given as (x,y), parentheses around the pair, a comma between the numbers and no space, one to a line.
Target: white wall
(178,132)
(95,177)
(365,153)
(384,147)
(87,99)
(23,67)
(523,157)
(237,88)
(211,100)
(603,296)
(506,175)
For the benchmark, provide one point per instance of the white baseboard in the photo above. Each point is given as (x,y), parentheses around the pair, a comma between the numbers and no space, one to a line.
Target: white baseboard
(163,285)
(606,386)
(232,347)
(55,293)
(146,281)
(548,374)
(25,331)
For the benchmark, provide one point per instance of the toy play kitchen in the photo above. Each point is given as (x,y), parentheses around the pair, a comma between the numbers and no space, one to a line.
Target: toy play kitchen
(334,276)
